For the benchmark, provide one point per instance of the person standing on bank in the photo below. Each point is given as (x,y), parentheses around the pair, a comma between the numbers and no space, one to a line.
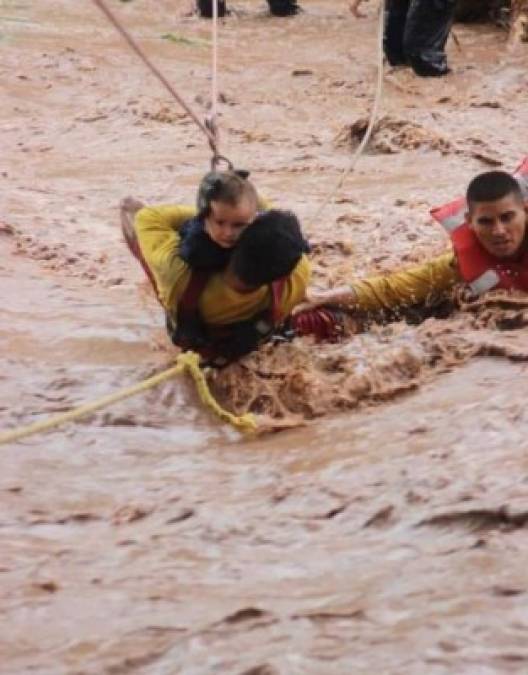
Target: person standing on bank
(416,33)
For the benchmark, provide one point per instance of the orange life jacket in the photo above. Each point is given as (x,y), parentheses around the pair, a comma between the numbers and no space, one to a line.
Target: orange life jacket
(483,271)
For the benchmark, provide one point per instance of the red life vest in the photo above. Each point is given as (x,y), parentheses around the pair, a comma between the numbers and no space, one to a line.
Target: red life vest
(483,271)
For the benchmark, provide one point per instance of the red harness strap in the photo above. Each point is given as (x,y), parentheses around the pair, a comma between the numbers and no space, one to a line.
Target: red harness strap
(188,304)
(277,288)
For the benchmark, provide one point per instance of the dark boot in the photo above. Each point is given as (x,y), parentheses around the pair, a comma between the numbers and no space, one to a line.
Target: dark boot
(426,32)
(205,8)
(283,7)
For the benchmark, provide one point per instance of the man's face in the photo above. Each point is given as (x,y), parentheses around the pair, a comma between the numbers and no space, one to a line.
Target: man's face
(225,222)
(500,226)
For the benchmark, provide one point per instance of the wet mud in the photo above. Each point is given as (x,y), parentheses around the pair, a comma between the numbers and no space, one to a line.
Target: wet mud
(386,532)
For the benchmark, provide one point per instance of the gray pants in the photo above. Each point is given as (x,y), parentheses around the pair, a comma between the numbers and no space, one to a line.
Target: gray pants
(416,32)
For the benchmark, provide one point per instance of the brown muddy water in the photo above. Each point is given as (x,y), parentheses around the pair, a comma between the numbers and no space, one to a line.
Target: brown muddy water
(385,535)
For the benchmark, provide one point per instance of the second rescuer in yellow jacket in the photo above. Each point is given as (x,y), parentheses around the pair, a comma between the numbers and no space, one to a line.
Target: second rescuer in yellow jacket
(490,251)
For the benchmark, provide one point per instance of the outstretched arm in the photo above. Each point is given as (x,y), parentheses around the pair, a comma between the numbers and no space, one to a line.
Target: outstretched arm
(341,296)
(415,285)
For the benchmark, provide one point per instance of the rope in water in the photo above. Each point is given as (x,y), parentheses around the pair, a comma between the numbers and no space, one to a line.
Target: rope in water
(372,120)
(187,362)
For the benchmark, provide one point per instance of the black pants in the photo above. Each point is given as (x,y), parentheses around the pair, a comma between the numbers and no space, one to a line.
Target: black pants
(416,32)
(277,7)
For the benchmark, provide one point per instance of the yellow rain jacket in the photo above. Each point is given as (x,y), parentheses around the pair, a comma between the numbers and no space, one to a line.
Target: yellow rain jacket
(157,229)
(424,284)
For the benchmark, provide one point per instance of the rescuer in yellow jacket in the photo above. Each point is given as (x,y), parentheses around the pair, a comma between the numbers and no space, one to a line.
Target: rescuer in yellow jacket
(489,251)
(225,274)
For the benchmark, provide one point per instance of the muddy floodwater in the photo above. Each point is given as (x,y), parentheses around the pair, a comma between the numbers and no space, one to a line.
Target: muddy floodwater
(387,531)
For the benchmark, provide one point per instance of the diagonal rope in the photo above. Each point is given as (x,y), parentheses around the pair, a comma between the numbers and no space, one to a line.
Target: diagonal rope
(155,71)
(372,120)
(186,362)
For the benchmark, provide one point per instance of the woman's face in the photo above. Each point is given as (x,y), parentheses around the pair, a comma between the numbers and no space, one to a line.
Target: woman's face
(226,222)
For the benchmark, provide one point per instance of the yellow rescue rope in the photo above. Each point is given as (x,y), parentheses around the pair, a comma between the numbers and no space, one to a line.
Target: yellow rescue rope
(187,362)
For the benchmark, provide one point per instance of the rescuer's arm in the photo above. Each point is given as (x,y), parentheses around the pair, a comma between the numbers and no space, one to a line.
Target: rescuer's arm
(422,284)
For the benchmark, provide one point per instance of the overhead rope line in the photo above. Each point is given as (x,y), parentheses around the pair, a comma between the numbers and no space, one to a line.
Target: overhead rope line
(186,362)
(204,127)
(372,119)
(211,120)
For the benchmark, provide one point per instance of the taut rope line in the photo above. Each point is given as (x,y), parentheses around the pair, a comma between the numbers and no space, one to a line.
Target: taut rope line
(214,71)
(155,71)
(211,121)
(373,116)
